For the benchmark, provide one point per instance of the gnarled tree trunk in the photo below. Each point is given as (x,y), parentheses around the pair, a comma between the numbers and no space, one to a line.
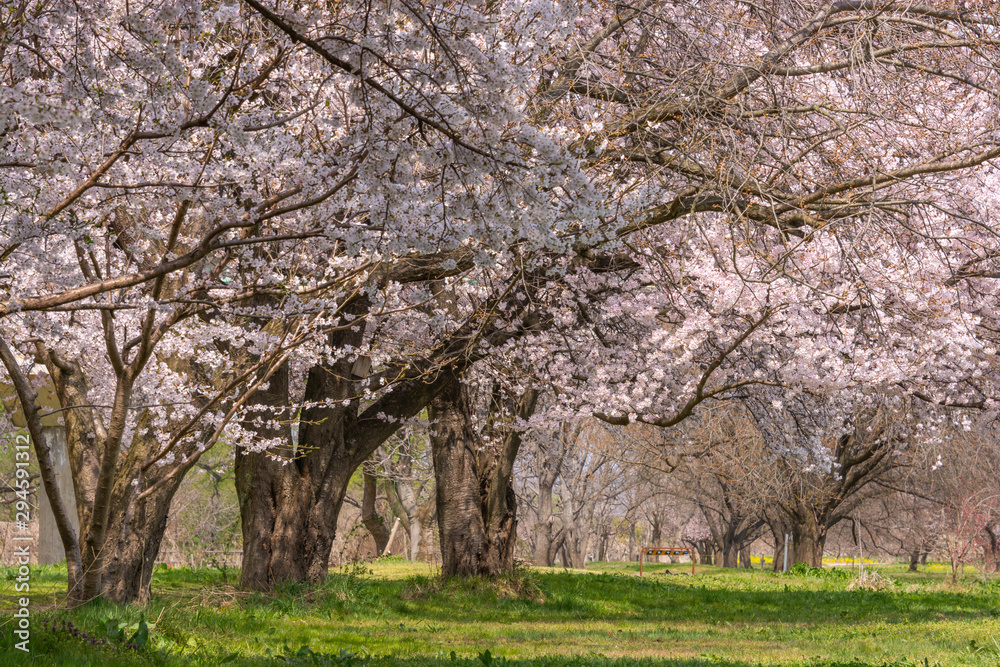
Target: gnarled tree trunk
(289,512)
(134,539)
(808,541)
(476,505)
(290,496)
(142,495)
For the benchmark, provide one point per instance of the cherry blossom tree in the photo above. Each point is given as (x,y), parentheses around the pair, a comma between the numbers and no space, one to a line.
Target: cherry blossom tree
(212,114)
(650,206)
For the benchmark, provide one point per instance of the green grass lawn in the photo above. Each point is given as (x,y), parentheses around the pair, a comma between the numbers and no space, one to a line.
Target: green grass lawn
(397,613)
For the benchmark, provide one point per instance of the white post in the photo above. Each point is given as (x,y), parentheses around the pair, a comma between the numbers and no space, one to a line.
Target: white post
(50,546)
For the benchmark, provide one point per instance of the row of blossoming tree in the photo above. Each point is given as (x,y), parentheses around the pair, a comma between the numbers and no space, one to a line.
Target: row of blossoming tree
(299,227)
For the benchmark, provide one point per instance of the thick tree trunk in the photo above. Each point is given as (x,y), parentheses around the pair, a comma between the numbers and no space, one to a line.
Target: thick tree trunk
(415,532)
(476,504)
(550,455)
(134,539)
(93,449)
(136,527)
(808,540)
(574,547)
(427,518)
(289,508)
(914,560)
(472,543)
(416,516)
(288,523)
(729,555)
(118,551)
(290,496)
(94,541)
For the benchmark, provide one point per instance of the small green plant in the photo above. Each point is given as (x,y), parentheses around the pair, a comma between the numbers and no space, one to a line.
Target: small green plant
(306,656)
(115,634)
(489,660)
(134,635)
(391,558)
(990,648)
(221,567)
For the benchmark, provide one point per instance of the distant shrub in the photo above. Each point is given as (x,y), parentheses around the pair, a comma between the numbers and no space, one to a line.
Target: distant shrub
(800,569)
(521,584)
(390,558)
(870,580)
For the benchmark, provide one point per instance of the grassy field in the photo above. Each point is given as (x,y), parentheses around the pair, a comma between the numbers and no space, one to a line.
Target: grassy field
(397,613)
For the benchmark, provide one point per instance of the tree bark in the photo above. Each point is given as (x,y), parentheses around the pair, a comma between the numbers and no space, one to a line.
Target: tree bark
(808,540)
(656,531)
(416,515)
(602,546)
(371,520)
(134,538)
(476,504)
(289,511)
(729,555)
(574,545)
(543,530)
(466,547)
(706,550)
(544,555)
(778,532)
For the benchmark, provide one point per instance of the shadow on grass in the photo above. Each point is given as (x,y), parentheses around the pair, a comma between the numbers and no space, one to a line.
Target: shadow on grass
(559,597)
(617,597)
